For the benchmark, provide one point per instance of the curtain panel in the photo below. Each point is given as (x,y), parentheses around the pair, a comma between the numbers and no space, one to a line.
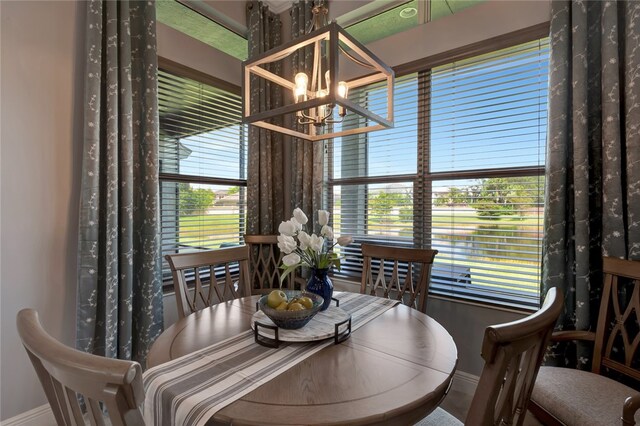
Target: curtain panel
(307,168)
(265,166)
(592,206)
(119,289)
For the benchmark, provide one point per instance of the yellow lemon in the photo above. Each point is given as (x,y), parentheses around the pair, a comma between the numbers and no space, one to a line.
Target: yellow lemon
(306,302)
(295,307)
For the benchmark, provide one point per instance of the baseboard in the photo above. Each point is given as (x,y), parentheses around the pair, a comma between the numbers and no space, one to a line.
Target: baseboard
(39,416)
(465,382)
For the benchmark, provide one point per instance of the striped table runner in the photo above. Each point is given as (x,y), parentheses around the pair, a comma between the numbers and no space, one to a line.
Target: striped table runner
(191,389)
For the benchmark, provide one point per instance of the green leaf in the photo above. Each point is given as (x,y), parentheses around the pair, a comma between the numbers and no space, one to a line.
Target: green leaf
(336,263)
(287,271)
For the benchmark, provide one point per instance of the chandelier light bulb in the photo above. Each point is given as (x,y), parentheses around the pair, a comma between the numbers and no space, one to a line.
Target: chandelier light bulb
(300,90)
(300,94)
(343,89)
(301,80)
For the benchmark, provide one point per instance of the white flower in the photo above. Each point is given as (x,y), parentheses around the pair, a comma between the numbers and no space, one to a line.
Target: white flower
(299,215)
(327,232)
(345,240)
(291,259)
(305,240)
(287,228)
(323,217)
(286,243)
(297,224)
(316,243)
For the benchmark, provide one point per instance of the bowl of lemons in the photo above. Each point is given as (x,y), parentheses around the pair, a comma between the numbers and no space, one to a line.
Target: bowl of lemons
(290,309)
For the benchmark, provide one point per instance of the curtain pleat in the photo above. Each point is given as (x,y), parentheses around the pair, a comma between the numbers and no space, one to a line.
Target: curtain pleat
(119,291)
(265,167)
(307,171)
(592,206)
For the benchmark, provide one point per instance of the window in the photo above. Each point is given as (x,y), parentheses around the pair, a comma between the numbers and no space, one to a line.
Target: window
(202,165)
(462,172)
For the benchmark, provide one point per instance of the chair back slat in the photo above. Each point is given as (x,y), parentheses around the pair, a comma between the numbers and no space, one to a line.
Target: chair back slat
(95,412)
(265,259)
(66,374)
(513,353)
(396,270)
(220,267)
(72,400)
(617,342)
(61,397)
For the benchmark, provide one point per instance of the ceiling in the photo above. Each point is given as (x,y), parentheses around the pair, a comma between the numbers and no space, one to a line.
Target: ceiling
(221,24)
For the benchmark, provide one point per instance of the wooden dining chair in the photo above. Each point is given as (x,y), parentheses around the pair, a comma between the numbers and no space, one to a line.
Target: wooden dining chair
(512,353)
(400,273)
(224,271)
(565,396)
(265,259)
(66,374)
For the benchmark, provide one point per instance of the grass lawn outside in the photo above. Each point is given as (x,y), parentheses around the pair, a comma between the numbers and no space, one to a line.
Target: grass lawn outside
(211,230)
(518,274)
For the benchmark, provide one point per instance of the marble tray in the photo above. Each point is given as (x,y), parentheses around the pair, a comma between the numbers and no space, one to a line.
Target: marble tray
(321,326)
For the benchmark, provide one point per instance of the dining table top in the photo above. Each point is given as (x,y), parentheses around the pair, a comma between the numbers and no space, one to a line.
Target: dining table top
(395,369)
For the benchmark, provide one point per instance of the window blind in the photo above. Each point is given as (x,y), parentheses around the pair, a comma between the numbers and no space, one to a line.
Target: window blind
(488,121)
(372,175)
(202,166)
(461,172)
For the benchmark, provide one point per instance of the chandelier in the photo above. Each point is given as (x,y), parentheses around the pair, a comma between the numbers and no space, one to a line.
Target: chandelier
(320,100)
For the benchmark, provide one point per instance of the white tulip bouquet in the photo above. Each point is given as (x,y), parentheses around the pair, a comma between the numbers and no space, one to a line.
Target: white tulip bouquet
(304,249)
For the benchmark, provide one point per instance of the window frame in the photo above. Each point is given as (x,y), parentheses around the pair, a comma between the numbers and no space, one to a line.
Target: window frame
(183,71)
(423,177)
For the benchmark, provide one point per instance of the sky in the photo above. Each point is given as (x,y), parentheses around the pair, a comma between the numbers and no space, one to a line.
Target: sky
(489,114)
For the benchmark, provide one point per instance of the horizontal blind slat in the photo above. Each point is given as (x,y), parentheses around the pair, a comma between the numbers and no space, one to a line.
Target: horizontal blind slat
(487,112)
(200,135)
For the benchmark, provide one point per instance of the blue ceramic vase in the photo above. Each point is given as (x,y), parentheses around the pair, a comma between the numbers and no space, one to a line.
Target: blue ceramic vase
(319,283)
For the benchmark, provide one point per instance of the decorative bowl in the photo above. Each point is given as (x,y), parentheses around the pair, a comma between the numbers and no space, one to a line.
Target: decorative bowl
(292,320)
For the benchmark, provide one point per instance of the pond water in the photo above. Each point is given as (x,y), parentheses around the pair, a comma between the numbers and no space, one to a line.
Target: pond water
(491,242)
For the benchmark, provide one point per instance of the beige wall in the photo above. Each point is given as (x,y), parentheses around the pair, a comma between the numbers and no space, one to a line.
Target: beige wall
(41,105)
(41,118)
(42,60)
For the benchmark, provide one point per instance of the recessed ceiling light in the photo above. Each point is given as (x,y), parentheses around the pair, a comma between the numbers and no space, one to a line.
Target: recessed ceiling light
(408,12)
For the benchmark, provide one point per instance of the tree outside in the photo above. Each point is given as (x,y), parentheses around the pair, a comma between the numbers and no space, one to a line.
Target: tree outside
(495,197)
(194,201)
(382,204)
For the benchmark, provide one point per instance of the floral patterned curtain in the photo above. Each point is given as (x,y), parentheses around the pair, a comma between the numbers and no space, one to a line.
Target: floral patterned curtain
(592,204)
(308,157)
(119,294)
(265,167)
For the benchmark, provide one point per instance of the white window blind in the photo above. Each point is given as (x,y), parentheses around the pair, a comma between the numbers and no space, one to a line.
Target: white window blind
(461,172)
(202,166)
(372,175)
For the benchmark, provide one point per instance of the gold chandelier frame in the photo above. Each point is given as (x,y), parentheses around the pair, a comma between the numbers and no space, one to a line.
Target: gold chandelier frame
(334,36)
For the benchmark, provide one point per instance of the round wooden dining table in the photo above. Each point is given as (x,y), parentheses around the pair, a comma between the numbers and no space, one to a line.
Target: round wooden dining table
(394,370)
